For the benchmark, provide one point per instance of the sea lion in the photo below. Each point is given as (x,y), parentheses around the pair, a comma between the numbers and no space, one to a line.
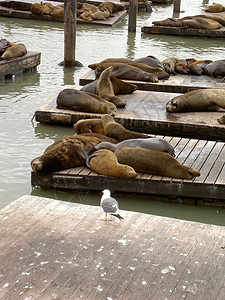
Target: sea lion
(150,143)
(105,88)
(125,71)
(216,7)
(89,125)
(181,68)
(14,50)
(215,68)
(119,86)
(58,12)
(117,131)
(171,22)
(82,101)
(169,64)
(200,22)
(198,100)
(42,8)
(67,152)
(154,162)
(105,162)
(111,7)
(109,60)
(150,60)
(197,68)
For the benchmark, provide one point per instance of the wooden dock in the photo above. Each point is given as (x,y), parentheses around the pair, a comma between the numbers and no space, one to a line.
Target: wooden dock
(175,84)
(18,65)
(12,13)
(208,157)
(145,112)
(52,249)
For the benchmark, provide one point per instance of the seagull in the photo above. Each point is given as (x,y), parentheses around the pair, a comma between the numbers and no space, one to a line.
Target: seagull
(110,205)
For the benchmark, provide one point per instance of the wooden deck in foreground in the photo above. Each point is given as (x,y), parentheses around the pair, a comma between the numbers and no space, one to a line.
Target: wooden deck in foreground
(175,84)
(20,64)
(206,156)
(145,112)
(12,13)
(58,250)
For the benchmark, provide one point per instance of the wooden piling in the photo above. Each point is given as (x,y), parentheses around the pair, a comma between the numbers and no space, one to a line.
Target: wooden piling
(133,11)
(69,32)
(176,6)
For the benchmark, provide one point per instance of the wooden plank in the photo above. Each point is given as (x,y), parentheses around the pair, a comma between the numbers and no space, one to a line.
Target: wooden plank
(143,256)
(181,31)
(215,172)
(7,12)
(20,64)
(145,112)
(175,84)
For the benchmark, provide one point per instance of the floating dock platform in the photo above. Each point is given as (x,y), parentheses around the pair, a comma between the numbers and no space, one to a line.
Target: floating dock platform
(145,112)
(208,157)
(17,65)
(175,84)
(53,249)
(14,13)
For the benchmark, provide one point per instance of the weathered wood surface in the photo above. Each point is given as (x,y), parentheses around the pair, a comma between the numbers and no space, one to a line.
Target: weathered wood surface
(20,64)
(52,249)
(7,12)
(145,112)
(175,84)
(148,28)
(206,156)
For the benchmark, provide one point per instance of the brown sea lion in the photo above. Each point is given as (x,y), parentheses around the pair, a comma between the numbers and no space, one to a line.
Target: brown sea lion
(111,7)
(199,22)
(117,131)
(42,8)
(119,86)
(181,68)
(154,162)
(105,162)
(14,50)
(150,60)
(198,100)
(67,152)
(169,64)
(82,101)
(216,7)
(105,88)
(153,143)
(171,22)
(197,68)
(109,60)
(215,68)
(125,71)
(58,12)
(89,125)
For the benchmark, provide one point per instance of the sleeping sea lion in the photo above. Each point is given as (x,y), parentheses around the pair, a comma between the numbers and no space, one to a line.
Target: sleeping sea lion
(197,68)
(89,125)
(125,71)
(58,12)
(171,22)
(111,7)
(117,131)
(150,143)
(119,86)
(181,68)
(215,68)
(109,60)
(216,7)
(169,64)
(154,162)
(82,101)
(14,50)
(105,88)
(198,100)
(42,8)
(67,152)
(200,22)
(105,162)
(150,60)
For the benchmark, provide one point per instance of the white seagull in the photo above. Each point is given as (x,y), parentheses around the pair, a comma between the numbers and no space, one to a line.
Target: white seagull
(110,205)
